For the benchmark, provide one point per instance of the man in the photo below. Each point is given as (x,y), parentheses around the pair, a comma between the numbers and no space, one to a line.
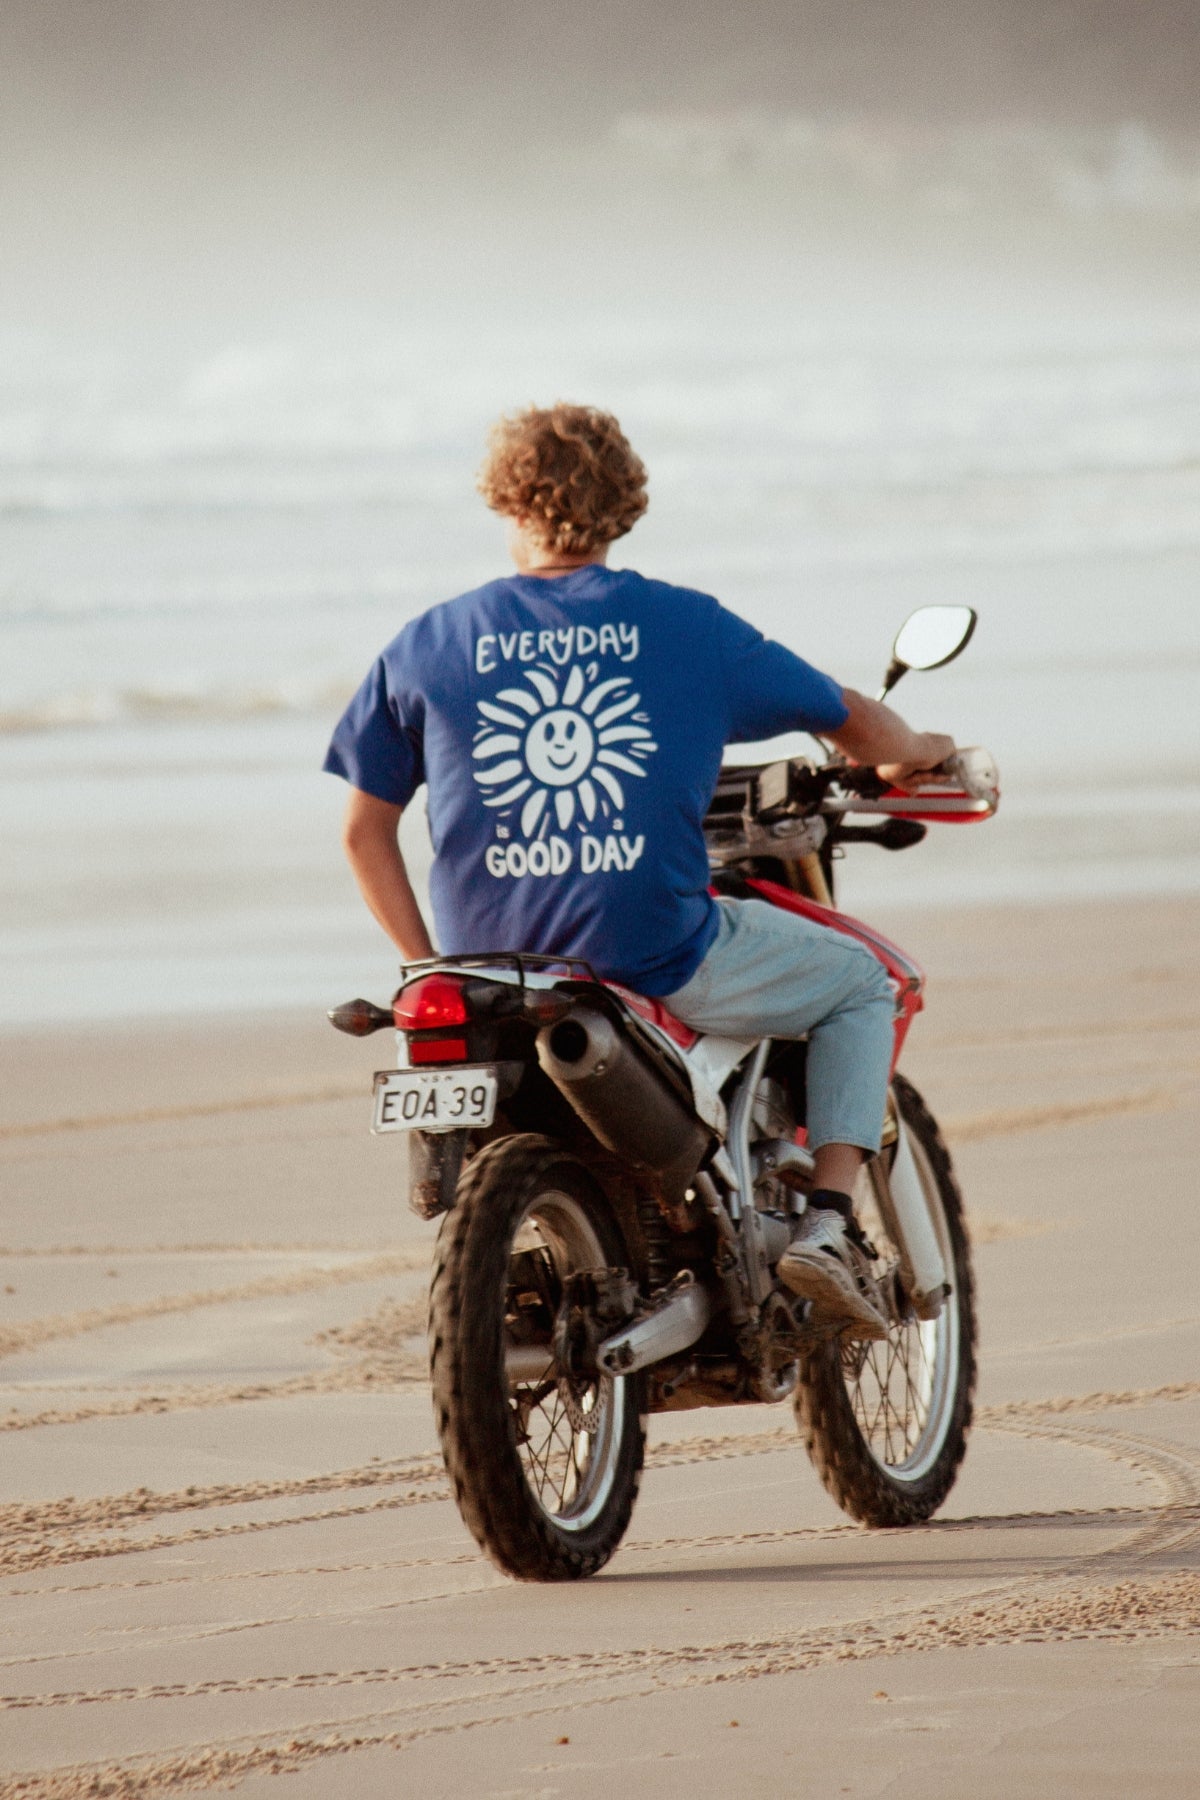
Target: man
(570,722)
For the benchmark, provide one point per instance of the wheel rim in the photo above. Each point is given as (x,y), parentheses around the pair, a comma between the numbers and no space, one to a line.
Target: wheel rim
(902,1389)
(568,1435)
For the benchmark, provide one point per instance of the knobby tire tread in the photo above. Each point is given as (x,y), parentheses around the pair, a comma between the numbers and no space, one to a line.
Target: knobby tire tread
(473,1415)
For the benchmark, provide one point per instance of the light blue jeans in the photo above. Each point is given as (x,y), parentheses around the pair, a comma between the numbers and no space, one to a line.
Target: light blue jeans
(774,974)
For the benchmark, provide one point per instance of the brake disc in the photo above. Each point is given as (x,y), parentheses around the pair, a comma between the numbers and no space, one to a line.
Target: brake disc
(572,1393)
(593,1303)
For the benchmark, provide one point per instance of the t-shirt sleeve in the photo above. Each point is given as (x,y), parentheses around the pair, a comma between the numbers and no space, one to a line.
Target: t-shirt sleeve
(769,689)
(375,747)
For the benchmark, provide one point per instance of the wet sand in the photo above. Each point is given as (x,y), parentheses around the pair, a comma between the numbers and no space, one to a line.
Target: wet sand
(229,1558)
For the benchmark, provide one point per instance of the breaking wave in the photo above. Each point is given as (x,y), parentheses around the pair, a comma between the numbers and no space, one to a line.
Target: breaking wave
(1125,169)
(90,707)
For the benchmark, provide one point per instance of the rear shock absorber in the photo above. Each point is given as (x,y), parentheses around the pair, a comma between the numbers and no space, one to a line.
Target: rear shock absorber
(660,1263)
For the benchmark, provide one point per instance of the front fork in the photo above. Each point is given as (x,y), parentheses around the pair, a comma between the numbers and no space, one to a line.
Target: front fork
(904,1205)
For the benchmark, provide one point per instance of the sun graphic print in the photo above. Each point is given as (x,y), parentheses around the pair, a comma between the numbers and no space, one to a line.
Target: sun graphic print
(559,754)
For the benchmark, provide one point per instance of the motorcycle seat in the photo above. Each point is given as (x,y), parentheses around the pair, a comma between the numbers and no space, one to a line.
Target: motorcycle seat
(655,1013)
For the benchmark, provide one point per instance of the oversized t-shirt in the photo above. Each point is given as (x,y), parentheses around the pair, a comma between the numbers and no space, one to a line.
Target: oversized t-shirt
(570,729)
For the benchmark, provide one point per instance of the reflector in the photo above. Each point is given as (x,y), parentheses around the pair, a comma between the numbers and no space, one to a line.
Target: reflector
(436,1050)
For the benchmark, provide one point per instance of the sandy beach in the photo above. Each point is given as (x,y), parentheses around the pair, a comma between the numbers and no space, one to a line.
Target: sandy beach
(229,1554)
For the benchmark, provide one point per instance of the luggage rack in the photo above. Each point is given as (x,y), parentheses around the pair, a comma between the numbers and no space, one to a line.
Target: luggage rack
(567,968)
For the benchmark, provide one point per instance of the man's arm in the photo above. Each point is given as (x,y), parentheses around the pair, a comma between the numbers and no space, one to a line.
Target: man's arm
(875,734)
(373,851)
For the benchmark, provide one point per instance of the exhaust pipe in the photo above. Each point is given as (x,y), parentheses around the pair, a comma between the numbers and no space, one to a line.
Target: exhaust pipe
(622,1098)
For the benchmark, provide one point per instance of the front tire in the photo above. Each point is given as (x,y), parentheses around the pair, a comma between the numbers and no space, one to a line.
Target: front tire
(545,1469)
(886,1423)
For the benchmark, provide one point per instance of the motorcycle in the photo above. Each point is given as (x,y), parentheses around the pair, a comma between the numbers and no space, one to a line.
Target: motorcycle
(616,1191)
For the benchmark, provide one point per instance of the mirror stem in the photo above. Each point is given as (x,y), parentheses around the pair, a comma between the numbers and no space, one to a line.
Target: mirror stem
(895,670)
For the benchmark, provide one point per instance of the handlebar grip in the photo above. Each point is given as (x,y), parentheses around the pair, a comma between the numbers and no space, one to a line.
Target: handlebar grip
(973,770)
(976,772)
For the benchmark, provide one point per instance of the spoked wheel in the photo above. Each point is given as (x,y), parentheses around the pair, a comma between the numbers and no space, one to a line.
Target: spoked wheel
(545,1458)
(886,1423)
(568,1424)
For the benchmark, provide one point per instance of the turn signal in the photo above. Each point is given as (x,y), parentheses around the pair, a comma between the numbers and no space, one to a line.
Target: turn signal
(359,1017)
(430,1002)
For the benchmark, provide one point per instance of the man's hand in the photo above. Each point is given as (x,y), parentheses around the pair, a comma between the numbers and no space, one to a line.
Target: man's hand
(875,734)
(936,748)
(373,852)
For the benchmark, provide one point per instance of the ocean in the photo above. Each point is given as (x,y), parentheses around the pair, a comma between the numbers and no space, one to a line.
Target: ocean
(200,554)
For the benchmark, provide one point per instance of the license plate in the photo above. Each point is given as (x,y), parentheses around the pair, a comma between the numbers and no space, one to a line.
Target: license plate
(434,1099)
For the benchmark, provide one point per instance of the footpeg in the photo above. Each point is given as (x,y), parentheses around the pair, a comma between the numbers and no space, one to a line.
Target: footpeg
(778,1159)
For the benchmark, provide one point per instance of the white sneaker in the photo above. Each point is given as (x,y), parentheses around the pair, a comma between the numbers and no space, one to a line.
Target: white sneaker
(824,1265)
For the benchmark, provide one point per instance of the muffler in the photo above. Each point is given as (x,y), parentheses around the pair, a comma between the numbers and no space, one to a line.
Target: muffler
(623,1100)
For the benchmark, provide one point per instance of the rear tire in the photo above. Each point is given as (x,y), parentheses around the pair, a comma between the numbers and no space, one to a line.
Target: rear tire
(545,1497)
(886,1424)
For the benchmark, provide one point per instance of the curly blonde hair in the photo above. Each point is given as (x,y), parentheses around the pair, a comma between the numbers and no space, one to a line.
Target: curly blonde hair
(569,471)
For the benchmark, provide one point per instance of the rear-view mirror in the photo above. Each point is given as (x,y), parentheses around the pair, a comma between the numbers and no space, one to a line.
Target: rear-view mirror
(928,638)
(933,635)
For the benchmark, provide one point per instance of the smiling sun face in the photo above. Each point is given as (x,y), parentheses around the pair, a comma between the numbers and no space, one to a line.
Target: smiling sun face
(569,746)
(558,748)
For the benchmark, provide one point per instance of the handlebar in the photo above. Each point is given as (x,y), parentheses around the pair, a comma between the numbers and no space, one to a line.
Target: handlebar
(973,771)
(797,788)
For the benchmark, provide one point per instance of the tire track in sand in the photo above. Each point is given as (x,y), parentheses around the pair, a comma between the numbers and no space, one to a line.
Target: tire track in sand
(1112,1609)
(47,1534)
(157,1115)
(1172,1524)
(32,1332)
(398,1370)
(1071,1602)
(1121,1612)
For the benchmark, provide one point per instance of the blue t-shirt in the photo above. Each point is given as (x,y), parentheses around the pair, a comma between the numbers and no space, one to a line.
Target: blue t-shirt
(571,729)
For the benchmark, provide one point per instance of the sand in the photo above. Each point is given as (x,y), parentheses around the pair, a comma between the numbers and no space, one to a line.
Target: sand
(228,1556)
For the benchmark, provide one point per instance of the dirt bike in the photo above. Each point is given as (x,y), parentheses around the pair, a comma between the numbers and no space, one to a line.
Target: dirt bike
(616,1191)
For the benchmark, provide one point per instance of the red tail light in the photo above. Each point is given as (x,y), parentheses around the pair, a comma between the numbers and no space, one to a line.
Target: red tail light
(429,1003)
